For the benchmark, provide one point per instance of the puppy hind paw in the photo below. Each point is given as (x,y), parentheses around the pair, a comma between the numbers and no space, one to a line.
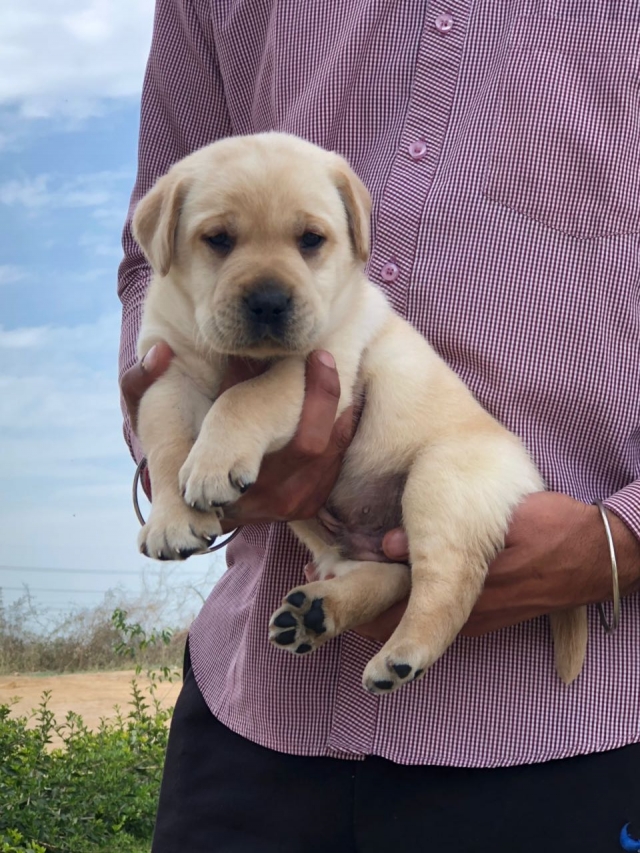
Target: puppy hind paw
(386,673)
(301,625)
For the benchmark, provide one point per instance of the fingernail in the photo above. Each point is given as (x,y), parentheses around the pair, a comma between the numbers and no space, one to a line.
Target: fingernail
(150,359)
(326,358)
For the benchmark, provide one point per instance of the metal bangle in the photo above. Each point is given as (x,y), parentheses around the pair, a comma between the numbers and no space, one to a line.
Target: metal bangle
(610,627)
(136,485)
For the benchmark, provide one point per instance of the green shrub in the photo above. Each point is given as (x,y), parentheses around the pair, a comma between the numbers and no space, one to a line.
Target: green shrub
(96,793)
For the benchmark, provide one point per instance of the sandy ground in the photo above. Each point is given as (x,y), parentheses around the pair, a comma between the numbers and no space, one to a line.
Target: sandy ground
(92,694)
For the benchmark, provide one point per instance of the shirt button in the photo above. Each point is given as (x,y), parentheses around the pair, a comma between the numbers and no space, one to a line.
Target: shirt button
(390,271)
(444,22)
(417,149)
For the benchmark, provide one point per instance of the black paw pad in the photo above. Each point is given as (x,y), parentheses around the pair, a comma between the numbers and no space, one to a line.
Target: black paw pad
(402,670)
(286,638)
(303,648)
(418,674)
(285,620)
(383,685)
(314,617)
(185,553)
(297,599)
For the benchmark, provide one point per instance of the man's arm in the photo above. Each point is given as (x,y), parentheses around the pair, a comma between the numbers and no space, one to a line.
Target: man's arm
(183,108)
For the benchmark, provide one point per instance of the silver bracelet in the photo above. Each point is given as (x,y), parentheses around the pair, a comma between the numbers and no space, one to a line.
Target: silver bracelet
(134,495)
(610,627)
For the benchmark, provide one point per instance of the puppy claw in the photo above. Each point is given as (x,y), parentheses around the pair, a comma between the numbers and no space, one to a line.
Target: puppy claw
(243,485)
(208,480)
(176,532)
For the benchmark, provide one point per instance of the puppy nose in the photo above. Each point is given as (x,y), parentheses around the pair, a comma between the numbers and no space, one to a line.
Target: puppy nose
(268,304)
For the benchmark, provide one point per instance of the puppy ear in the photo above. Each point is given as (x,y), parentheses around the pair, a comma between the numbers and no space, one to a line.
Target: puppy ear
(357,201)
(156,219)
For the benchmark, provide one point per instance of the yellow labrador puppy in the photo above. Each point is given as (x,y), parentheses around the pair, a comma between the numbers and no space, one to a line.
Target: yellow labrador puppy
(258,245)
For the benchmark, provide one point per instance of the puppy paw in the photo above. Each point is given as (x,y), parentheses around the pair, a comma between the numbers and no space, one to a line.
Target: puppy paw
(209,480)
(392,668)
(177,532)
(303,623)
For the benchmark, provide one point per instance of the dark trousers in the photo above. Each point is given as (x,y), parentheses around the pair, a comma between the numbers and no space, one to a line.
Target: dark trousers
(223,794)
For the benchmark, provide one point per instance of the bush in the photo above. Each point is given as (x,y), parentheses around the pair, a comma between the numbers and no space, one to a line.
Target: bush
(97,793)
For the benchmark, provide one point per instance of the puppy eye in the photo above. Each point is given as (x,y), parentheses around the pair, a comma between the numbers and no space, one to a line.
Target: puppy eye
(221,242)
(310,240)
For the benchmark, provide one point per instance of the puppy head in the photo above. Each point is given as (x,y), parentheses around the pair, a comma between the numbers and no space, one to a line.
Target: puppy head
(264,235)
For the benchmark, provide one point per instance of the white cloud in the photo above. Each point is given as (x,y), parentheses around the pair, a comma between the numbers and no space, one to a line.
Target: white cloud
(102,245)
(45,191)
(65,475)
(54,385)
(10,274)
(69,58)
(20,339)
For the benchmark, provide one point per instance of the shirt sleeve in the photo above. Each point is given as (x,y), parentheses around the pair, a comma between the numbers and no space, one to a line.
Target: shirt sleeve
(183,108)
(626,505)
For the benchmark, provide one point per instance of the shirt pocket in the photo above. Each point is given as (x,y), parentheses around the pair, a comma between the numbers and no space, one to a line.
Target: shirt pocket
(566,146)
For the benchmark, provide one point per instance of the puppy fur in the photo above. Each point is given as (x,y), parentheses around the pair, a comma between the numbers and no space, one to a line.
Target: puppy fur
(231,234)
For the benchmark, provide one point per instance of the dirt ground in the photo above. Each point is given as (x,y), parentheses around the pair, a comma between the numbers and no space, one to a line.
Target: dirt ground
(92,694)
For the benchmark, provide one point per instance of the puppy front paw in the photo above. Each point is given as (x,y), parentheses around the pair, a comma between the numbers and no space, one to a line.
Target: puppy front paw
(177,532)
(209,479)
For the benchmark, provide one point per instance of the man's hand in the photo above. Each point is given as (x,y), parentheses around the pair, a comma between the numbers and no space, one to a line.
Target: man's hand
(555,557)
(296,481)
(141,377)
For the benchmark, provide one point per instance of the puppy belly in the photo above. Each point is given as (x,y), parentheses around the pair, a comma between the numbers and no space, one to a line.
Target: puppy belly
(356,518)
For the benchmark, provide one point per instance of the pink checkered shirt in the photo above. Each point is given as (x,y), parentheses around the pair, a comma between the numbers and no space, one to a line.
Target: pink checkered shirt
(500,141)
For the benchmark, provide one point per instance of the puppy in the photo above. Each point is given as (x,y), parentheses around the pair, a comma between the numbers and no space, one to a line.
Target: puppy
(258,245)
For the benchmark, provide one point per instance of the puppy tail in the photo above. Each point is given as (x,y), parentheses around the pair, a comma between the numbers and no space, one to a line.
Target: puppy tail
(569,631)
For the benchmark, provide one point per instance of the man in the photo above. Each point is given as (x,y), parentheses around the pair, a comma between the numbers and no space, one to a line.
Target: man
(499,140)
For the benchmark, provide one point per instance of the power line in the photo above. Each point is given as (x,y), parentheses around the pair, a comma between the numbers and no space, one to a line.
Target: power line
(29,589)
(80,571)
(66,571)
(44,589)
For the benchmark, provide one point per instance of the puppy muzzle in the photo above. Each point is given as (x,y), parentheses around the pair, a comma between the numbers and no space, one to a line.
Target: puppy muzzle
(267,312)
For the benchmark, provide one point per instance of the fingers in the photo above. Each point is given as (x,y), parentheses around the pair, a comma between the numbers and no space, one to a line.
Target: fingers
(322,394)
(343,431)
(142,375)
(396,545)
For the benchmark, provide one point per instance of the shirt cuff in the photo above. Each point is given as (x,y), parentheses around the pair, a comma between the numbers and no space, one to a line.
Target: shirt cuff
(626,505)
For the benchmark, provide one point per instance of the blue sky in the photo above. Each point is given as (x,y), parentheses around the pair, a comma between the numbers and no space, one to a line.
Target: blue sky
(70,77)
